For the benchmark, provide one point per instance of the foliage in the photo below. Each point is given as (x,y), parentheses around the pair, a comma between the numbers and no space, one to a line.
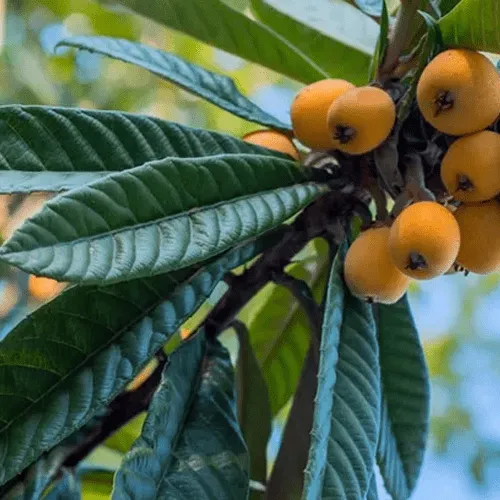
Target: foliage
(150,216)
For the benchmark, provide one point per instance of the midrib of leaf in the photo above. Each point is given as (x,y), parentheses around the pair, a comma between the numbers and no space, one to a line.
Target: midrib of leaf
(156,222)
(92,355)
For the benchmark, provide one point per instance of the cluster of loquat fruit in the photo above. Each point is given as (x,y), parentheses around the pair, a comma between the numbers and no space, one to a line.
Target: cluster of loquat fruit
(458,94)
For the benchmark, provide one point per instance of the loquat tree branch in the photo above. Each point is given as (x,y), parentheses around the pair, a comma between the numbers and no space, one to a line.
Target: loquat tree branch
(398,38)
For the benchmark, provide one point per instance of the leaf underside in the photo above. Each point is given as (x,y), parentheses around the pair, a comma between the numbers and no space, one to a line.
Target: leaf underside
(191,445)
(405,410)
(347,412)
(54,149)
(66,361)
(217,89)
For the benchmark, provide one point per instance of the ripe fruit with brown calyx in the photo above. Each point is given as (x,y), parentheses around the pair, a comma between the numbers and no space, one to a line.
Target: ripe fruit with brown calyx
(471,167)
(309,111)
(459,92)
(273,139)
(424,240)
(479,227)
(369,271)
(361,119)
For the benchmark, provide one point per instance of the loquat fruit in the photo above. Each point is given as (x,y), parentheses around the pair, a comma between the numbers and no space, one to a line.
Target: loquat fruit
(424,240)
(361,119)
(471,167)
(459,92)
(310,108)
(273,139)
(480,247)
(369,271)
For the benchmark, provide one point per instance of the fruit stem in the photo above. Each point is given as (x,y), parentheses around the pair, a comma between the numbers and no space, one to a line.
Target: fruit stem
(398,38)
(417,261)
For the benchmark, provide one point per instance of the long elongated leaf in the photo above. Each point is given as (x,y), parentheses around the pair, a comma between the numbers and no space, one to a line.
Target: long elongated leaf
(190,446)
(473,24)
(158,217)
(217,89)
(347,413)
(254,412)
(66,361)
(280,330)
(405,411)
(336,35)
(218,24)
(52,149)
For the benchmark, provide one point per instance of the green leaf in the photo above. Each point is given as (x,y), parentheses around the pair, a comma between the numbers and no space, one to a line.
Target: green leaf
(336,35)
(371,7)
(216,23)
(405,410)
(96,485)
(372,489)
(347,413)
(382,42)
(67,360)
(38,477)
(254,412)
(217,89)
(191,445)
(159,217)
(123,439)
(53,149)
(473,24)
(279,328)
(67,488)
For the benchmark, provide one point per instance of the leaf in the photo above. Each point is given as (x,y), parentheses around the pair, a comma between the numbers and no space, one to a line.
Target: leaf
(53,149)
(279,328)
(158,217)
(473,24)
(217,89)
(372,489)
(191,446)
(66,361)
(336,35)
(371,7)
(38,477)
(254,412)
(123,439)
(216,23)
(382,42)
(347,413)
(67,488)
(405,411)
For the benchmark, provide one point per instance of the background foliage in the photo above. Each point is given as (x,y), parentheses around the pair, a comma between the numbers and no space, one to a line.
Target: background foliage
(457,318)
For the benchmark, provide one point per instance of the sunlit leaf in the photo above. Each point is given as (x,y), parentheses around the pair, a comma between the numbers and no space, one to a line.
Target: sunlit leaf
(218,24)
(217,89)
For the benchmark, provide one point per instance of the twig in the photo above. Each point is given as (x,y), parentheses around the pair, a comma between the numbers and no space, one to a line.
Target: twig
(121,410)
(398,38)
(319,219)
